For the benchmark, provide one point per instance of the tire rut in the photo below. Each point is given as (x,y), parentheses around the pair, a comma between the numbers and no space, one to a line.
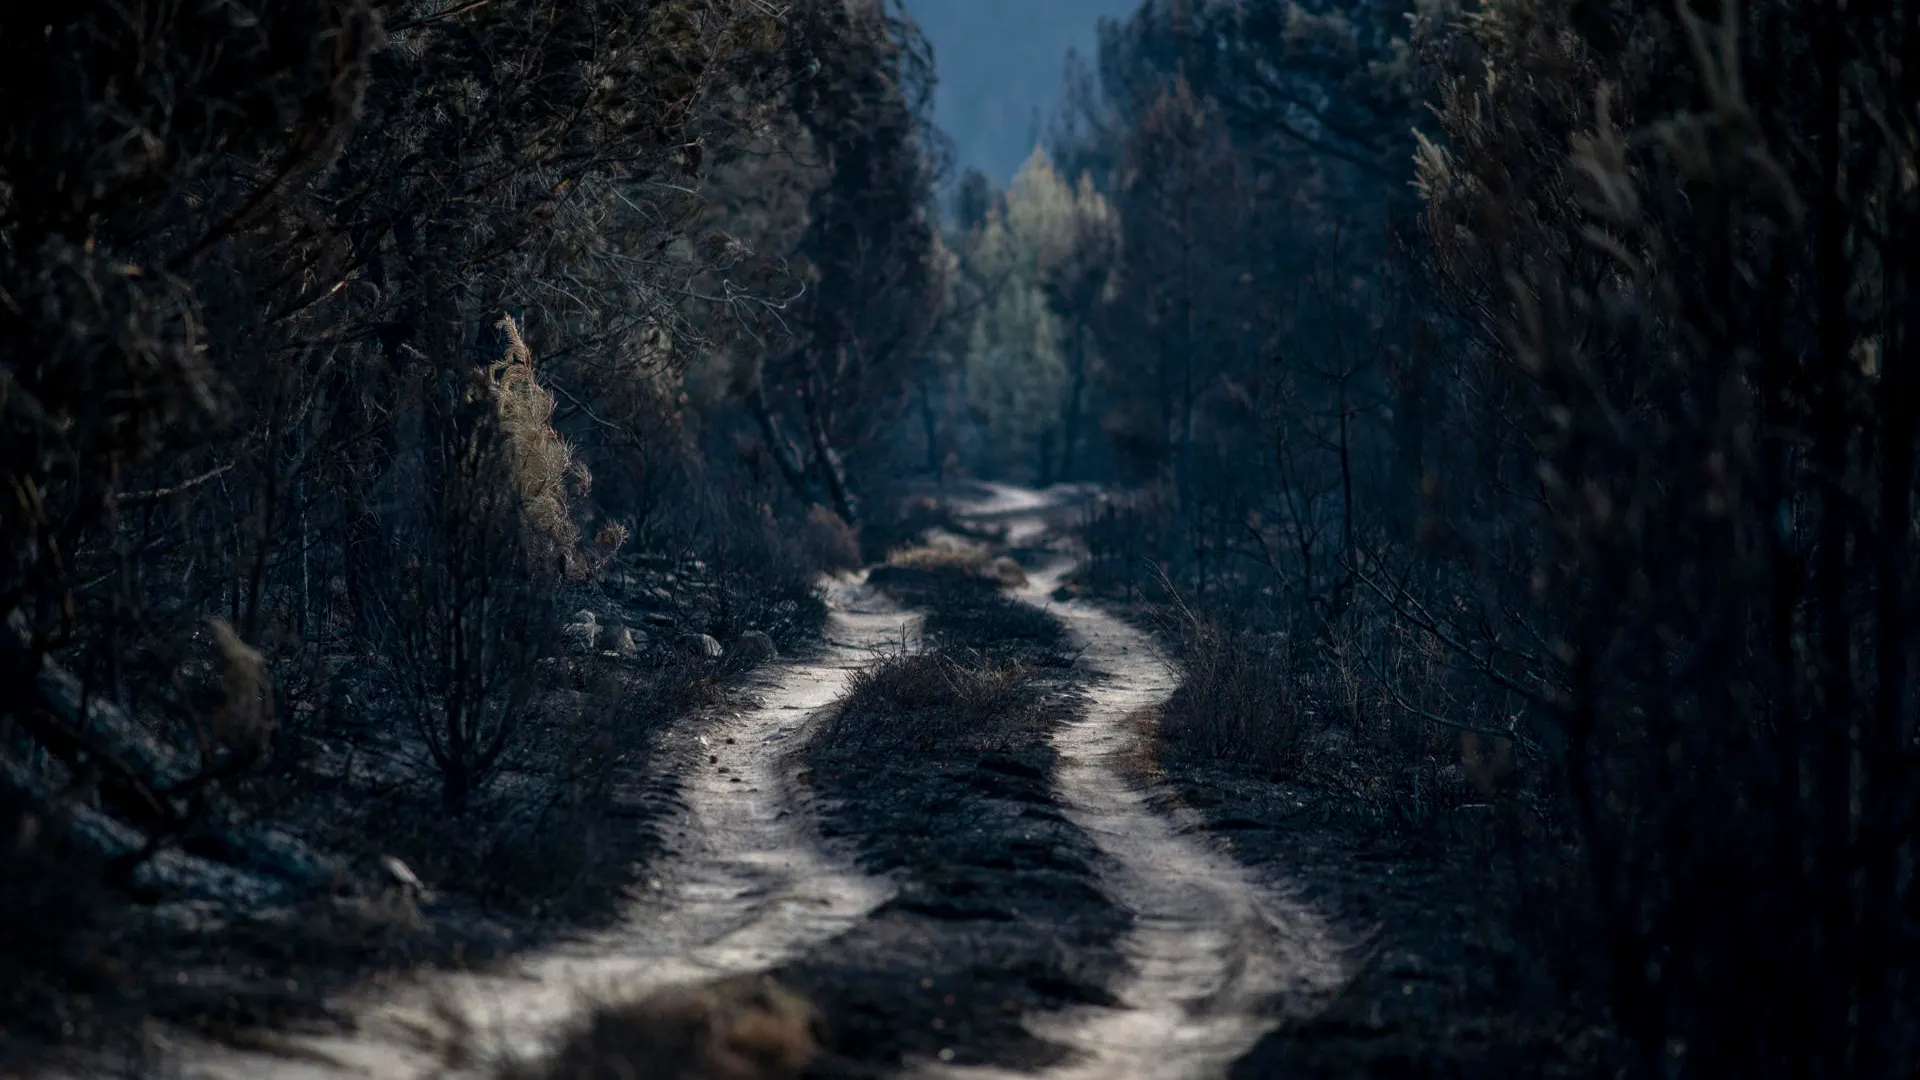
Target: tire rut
(1214,956)
(749,886)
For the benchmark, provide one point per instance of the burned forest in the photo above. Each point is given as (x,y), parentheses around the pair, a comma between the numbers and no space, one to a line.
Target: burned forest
(587,539)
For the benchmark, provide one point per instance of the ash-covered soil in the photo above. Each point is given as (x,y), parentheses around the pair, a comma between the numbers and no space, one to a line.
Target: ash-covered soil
(1436,990)
(937,769)
(552,848)
(956,842)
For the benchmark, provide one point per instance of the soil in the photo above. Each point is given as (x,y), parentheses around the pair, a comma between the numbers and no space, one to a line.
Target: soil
(1435,990)
(1214,955)
(741,886)
(989,867)
(1000,912)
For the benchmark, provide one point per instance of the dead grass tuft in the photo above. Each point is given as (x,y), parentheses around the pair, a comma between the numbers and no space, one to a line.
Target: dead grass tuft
(940,556)
(1237,702)
(1006,572)
(828,543)
(969,611)
(988,620)
(541,464)
(243,721)
(925,700)
(950,557)
(903,522)
(744,1028)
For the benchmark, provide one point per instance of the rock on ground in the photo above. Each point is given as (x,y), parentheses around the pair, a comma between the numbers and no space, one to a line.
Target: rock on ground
(755,647)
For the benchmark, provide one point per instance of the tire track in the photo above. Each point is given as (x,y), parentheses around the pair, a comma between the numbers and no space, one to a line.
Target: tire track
(1213,955)
(749,888)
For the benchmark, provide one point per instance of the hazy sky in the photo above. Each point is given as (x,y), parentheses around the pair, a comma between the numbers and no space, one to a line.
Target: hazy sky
(999,61)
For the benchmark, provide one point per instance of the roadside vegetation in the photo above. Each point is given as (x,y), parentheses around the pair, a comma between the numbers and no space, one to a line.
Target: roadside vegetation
(1507,414)
(406,409)
(745,1028)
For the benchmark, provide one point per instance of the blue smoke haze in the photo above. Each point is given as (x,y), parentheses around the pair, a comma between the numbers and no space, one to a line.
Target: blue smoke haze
(1001,64)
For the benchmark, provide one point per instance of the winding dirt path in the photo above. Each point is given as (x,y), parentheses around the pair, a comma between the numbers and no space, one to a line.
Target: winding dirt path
(750,887)
(1214,955)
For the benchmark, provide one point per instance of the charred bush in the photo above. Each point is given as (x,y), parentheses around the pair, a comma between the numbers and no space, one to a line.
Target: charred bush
(458,600)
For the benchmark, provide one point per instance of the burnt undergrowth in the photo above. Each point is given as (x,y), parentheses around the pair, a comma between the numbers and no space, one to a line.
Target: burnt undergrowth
(551,845)
(742,1027)
(350,562)
(1541,520)
(1442,986)
(1428,843)
(936,767)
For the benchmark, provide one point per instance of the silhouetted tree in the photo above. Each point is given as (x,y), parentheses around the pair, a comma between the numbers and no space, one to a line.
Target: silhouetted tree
(1685,244)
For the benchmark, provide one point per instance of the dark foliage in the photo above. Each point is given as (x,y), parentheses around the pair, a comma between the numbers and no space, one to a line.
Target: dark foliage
(351,352)
(1514,401)
(1700,320)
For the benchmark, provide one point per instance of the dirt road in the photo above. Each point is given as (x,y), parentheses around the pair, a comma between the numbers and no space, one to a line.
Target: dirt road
(749,886)
(1212,953)
(1208,960)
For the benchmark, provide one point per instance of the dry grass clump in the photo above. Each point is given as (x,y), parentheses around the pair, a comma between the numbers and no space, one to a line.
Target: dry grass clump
(828,543)
(540,464)
(943,555)
(962,587)
(744,1028)
(1005,571)
(904,522)
(1238,702)
(947,556)
(228,693)
(243,723)
(925,700)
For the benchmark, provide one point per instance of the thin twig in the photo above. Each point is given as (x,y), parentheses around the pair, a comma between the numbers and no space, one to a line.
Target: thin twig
(437,16)
(589,413)
(1525,743)
(158,494)
(1414,612)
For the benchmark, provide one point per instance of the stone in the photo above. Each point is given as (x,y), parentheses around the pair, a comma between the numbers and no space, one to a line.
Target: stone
(583,632)
(620,640)
(755,647)
(1007,572)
